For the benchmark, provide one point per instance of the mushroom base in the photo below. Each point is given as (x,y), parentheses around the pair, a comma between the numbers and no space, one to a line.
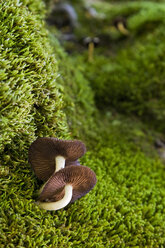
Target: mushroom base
(61,203)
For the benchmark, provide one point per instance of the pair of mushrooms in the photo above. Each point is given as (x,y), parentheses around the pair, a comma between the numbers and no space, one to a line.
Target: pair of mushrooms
(55,162)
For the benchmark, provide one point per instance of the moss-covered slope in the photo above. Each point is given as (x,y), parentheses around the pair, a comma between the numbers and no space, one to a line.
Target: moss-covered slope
(126,207)
(78,96)
(131,67)
(29,93)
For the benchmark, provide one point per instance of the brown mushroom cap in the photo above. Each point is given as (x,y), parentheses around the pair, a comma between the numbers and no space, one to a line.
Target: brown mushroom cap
(43,151)
(82,179)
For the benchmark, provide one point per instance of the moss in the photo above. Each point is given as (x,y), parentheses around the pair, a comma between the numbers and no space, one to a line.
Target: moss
(126,207)
(31,100)
(132,78)
(78,96)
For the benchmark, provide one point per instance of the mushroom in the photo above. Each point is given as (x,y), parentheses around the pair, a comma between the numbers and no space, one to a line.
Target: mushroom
(91,43)
(66,186)
(121,25)
(49,155)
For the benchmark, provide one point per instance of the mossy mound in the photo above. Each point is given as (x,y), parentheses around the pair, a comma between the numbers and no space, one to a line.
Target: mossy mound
(126,207)
(31,100)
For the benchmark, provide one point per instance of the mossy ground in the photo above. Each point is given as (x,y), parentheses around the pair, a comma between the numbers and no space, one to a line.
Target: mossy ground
(126,208)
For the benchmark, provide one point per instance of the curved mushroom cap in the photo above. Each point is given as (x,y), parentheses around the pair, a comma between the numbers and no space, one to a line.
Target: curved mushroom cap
(43,151)
(87,40)
(96,41)
(81,178)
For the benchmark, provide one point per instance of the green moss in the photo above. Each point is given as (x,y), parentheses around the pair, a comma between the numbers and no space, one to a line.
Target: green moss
(31,101)
(78,96)
(130,77)
(131,80)
(126,207)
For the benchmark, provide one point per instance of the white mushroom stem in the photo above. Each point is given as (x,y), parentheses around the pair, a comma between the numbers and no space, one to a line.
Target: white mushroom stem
(61,203)
(60,163)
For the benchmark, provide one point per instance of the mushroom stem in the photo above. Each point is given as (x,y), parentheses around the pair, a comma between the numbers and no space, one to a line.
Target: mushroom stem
(90,51)
(122,29)
(60,163)
(61,203)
